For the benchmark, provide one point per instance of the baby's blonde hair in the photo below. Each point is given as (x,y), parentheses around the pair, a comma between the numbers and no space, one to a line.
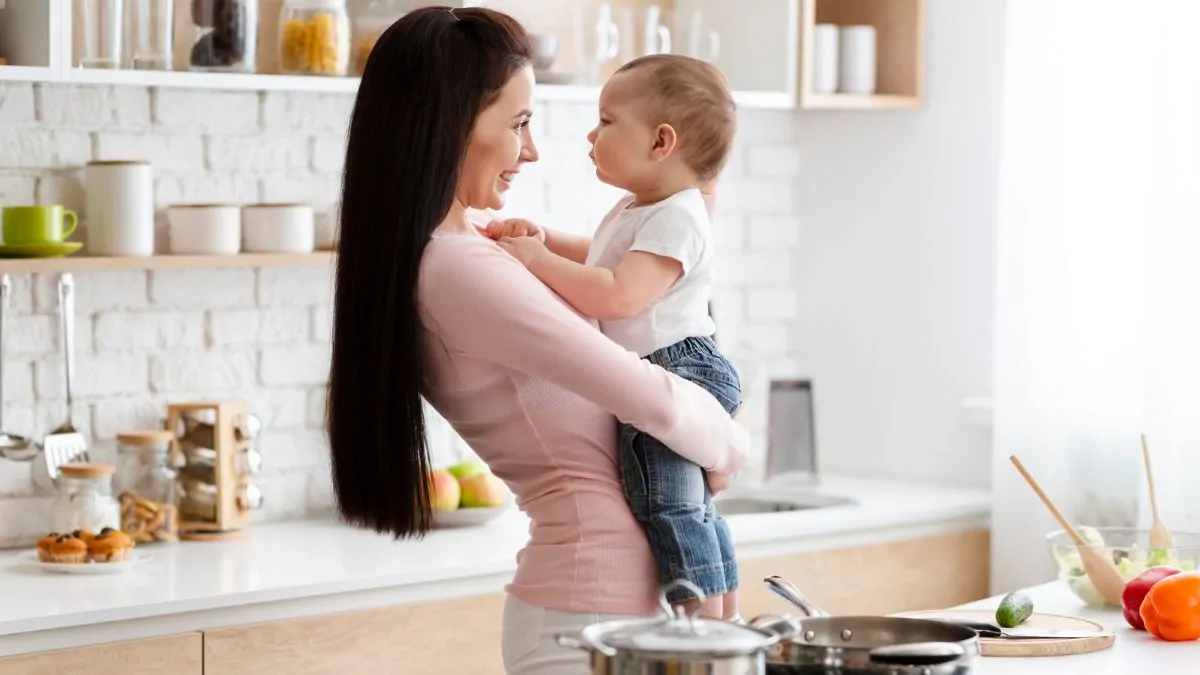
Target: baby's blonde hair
(693,97)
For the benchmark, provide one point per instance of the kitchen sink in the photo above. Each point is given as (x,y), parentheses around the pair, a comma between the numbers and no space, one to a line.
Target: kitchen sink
(738,505)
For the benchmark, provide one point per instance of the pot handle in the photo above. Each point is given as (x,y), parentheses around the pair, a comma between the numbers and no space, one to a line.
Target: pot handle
(567,641)
(917,654)
(782,626)
(784,589)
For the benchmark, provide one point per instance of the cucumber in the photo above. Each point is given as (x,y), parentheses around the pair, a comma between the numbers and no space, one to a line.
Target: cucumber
(1013,609)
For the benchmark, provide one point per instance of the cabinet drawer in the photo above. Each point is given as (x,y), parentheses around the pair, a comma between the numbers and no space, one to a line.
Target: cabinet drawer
(170,655)
(449,637)
(927,573)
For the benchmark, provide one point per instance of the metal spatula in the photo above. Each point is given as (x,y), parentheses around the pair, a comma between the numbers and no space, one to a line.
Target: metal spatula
(65,444)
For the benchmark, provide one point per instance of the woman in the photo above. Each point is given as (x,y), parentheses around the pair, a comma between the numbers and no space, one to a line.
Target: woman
(427,306)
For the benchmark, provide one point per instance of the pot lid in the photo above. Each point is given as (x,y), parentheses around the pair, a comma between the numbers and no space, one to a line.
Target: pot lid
(678,633)
(686,634)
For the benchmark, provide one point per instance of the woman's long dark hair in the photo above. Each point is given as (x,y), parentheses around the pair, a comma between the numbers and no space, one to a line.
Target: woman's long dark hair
(427,79)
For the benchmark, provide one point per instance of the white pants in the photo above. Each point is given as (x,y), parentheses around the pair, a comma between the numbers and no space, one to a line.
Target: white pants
(527,639)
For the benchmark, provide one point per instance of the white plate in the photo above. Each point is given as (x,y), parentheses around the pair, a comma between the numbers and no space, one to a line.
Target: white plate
(132,558)
(466,517)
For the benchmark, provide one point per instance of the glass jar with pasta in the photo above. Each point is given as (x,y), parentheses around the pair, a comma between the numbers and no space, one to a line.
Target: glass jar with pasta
(369,24)
(314,37)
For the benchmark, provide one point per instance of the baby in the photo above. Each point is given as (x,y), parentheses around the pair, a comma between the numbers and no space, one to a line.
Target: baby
(666,126)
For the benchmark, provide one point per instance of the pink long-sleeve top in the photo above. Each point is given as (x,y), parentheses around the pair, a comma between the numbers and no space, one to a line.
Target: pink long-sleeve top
(536,390)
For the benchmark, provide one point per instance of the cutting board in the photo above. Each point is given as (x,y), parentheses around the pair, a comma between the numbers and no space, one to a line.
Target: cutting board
(1053,647)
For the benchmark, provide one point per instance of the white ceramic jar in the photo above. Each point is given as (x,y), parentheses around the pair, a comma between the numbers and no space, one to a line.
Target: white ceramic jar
(120,208)
(278,228)
(204,229)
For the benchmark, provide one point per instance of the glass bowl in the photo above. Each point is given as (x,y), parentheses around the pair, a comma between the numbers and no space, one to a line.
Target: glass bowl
(1129,550)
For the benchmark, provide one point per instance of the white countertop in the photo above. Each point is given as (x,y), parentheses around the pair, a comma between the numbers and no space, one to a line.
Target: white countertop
(310,567)
(1132,652)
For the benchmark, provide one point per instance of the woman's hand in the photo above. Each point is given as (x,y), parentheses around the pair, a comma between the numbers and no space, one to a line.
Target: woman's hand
(526,249)
(514,227)
(719,482)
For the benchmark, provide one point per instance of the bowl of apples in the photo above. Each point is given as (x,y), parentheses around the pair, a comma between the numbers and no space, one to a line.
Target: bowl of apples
(466,495)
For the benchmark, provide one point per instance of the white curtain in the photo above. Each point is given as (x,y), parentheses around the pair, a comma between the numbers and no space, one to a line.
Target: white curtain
(1098,338)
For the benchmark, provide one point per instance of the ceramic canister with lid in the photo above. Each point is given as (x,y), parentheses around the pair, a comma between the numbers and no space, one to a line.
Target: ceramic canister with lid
(120,207)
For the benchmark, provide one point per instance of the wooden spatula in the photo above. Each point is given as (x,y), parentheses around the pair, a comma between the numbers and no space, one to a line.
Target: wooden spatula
(1160,535)
(1100,570)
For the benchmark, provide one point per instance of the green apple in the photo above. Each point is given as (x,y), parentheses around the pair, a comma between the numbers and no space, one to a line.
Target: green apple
(471,467)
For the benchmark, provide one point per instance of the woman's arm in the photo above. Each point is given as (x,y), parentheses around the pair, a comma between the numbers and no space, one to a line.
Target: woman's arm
(486,304)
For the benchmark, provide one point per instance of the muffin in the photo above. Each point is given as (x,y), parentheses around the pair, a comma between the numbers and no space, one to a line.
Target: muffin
(68,549)
(86,536)
(44,544)
(110,546)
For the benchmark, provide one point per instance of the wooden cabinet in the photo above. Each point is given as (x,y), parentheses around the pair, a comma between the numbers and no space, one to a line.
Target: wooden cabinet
(929,573)
(449,637)
(170,655)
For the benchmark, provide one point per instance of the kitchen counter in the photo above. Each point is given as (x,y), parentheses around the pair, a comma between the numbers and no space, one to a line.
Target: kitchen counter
(1132,652)
(306,568)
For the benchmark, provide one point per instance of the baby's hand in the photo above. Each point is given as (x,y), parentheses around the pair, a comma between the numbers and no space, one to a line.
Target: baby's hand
(527,249)
(514,227)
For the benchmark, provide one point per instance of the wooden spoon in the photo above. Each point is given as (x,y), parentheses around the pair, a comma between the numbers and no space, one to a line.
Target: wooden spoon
(1160,535)
(1107,580)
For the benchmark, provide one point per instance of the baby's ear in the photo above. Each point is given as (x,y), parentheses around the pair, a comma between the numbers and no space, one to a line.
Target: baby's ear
(665,140)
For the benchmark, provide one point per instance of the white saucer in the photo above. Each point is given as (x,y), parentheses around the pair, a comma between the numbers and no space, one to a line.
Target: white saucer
(132,558)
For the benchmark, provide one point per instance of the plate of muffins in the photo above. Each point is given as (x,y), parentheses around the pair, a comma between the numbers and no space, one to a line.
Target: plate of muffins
(84,552)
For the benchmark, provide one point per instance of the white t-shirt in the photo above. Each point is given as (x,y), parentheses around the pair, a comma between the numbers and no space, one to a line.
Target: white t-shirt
(677,227)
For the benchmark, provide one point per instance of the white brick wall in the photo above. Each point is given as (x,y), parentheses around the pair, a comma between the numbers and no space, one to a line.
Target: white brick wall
(148,338)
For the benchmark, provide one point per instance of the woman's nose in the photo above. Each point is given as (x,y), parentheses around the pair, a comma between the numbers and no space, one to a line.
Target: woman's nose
(529,151)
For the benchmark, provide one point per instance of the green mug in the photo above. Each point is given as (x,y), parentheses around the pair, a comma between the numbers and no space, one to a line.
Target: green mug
(37,224)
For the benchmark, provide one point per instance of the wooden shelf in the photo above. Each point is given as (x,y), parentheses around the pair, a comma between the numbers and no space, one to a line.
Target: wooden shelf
(900,52)
(856,102)
(79,263)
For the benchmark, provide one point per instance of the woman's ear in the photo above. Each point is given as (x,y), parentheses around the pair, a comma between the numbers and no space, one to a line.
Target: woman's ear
(664,142)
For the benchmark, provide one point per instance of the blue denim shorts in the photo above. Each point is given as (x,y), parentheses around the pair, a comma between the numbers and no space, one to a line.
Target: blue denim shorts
(669,495)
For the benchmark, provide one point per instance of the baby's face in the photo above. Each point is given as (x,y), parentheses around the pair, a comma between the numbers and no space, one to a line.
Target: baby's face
(623,140)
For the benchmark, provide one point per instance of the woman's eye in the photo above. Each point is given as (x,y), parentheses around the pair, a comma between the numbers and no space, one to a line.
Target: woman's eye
(521,125)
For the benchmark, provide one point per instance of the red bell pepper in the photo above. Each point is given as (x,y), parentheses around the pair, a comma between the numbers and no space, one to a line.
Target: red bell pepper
(1136,590)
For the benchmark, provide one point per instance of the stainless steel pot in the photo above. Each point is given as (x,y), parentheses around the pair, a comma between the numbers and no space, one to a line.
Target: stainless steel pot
(820,644)
(675,643)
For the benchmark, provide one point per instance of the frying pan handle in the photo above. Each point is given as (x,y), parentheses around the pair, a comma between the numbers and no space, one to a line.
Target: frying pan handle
(784,589)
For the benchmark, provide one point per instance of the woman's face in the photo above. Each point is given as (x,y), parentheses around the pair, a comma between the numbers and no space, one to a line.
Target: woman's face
(500,144)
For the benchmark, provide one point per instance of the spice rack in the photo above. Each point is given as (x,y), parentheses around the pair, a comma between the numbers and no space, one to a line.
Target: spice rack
(217,496)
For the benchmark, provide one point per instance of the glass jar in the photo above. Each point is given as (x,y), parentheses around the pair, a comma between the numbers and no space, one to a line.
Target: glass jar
(152,23)
(314,37)
(147,485)
(226,35)
(102,28)
(369,24)
(85,499)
